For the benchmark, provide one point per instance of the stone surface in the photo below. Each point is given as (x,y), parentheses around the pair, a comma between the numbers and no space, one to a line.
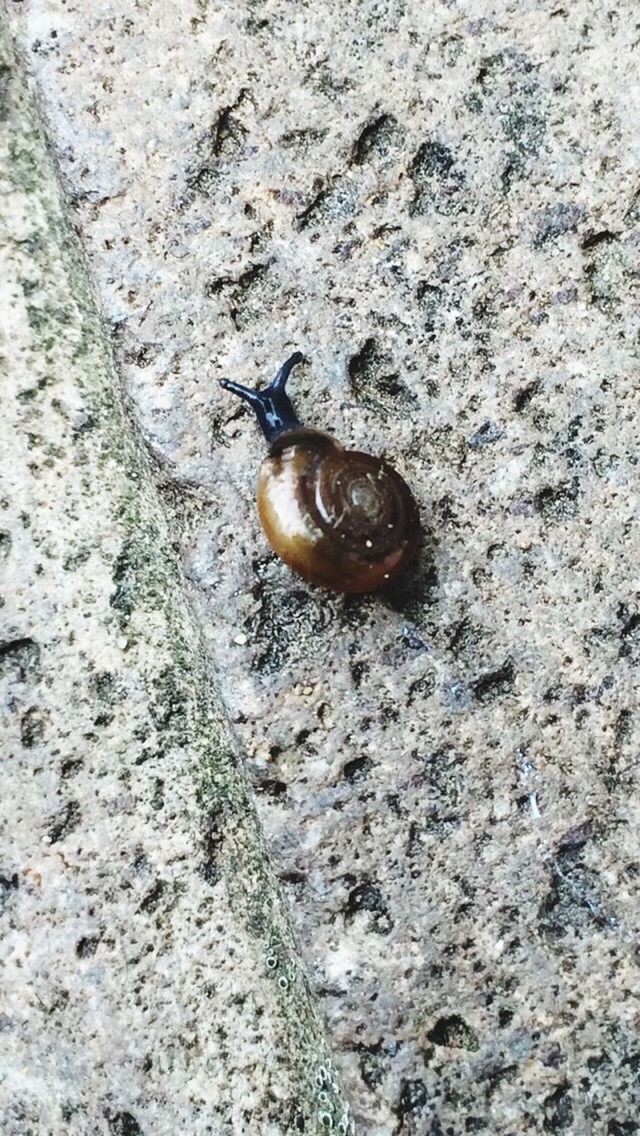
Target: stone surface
(439,205)
(150,980)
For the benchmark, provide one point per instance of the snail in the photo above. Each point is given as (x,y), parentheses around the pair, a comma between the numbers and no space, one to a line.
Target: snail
(342,519)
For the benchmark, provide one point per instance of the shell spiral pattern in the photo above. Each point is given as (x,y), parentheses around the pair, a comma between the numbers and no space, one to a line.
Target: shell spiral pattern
(359,502)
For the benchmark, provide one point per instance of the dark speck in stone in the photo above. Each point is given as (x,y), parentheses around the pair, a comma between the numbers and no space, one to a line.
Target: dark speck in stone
(8,884)
(124,1124)
(558,1109)
(452,1031)
(486,434)
(494,683)
(356,769)
(413,1095)
(64,822)
(557,502)
(271,787)
(367,897)
(152,899)
(86,947)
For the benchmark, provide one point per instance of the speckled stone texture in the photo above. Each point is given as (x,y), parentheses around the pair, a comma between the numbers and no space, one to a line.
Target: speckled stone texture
(150,980)
(439,204)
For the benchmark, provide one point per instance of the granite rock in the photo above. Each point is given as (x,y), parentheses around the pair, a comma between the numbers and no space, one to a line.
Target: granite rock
(151,980)
(440,207)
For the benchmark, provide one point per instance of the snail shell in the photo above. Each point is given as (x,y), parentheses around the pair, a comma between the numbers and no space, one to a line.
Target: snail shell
(340,518)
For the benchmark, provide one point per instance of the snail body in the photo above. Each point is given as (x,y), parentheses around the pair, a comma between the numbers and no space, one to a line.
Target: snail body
(342,519)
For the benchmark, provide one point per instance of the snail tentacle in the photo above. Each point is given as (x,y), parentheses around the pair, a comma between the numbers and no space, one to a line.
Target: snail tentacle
(271,406)
(283,374)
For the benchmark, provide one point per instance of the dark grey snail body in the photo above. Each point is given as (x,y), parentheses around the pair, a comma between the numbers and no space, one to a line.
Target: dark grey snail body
(342,519)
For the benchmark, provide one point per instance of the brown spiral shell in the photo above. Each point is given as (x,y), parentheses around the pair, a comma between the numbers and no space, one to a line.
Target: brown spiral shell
(342,519)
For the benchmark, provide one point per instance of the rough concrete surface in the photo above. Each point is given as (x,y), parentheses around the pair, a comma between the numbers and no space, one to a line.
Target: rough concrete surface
(150,980)
(439,203)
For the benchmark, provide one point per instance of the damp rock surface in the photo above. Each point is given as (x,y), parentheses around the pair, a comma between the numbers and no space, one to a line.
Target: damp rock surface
(440,207)
(151,981)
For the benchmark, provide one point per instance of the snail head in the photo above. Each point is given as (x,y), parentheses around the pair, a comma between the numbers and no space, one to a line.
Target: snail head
(271,406)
